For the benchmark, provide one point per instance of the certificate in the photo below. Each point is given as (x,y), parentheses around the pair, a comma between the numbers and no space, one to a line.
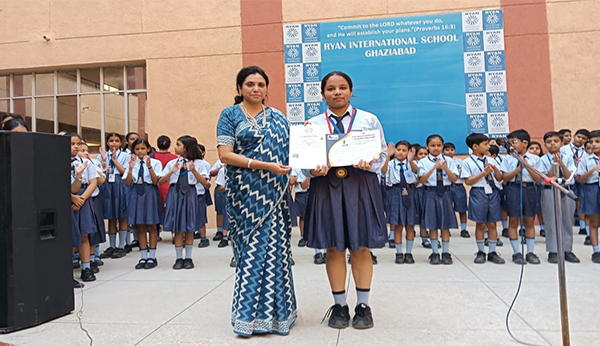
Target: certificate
(308,147)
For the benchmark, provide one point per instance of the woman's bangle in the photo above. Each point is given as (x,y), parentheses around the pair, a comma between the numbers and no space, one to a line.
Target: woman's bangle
(249,163)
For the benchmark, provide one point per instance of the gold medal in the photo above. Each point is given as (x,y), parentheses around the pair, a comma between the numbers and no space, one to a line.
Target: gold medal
(341,173)
(404,191)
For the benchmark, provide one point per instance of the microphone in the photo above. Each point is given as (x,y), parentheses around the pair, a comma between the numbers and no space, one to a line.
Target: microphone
(503,142)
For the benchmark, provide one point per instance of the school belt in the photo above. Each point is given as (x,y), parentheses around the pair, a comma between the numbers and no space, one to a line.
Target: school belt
(457,184)
(434,188)
(173,184)
(412,186)
(525,184)
(299,193)
(596,183)
(480,187)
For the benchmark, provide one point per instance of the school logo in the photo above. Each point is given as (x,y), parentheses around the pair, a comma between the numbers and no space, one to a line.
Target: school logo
(292,32)
(310,31)
(497,101)
(477,123)
(475,81)
(472,19)
(492,18)
(313,90)
(494,59)
(496,79)
(312,51)
(473,40)
(313,109)
(494,38)
(293,52)
(312,71)
(476,102)
(294,91)
(294,71)
(474,60)
(498,121)
(295,110)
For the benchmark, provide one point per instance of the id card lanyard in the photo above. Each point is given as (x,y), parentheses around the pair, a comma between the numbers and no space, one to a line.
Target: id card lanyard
(335,128)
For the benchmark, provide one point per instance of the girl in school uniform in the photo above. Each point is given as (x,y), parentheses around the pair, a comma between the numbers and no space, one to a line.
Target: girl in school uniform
(114,195)
(400,176)
(420,153)
(205,202)
(220,183)
(129,139)
(219,199)
(437,174)
(181,216)
(144,207)
(536,149)
(345,209)
(588,173)
(84,180)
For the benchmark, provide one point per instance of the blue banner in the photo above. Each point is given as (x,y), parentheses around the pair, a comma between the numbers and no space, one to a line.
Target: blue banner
(442,73)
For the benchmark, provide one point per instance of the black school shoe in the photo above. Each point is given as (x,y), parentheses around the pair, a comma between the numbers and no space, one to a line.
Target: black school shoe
(339,316)
(571,258)
(479,257)
(373,258)
(197,235)
(135,243)
(552,257)
(532,258)
(94,267)
(587,241)
(178,264)
(188,263)
(118,253)
(446,258)
(495,258)
(582,231)
(151,263)
(408,258)
(391,244)
(399,258)
(426,244)
(233,263)
(543,233)
(218,236)
(319,258)
(223,243)
(98,261)
(302,242)
(434,258)
(128,248)
(499,242)
(203,243)
(77,284)
(505,232)
(108,253)
(465,234)
(518,258)
(596,257)
(141,264)
(87,275)
(363,319)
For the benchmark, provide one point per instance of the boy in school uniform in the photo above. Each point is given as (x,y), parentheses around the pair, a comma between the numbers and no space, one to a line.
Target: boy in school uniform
(459,194)
(479,171)
(576,149)
(494,152)
(521,195)
(553,141)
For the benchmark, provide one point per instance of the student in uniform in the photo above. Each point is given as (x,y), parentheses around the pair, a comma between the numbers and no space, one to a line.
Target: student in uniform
(588,151)
(566,167)
(521,195)
(400,176)
(114,195)
(84,180)
(437,173)
(481,172)
(144,207)
(181,216)
(459,194)
(494,153)
(420,153)
(220,200)
(536,149)
(588,173)
(202,204)
(345,209)
(129,139)
(566,133)
(220,183)
(576,149)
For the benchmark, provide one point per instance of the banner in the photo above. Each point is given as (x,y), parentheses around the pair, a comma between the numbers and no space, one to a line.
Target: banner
(442,73)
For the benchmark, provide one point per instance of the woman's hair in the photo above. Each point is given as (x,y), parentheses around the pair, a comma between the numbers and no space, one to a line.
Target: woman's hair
(335,73)
(14,123)
(432,137)
(139,141)
(73,134)
(241,77)
(127,139)
(163,142)
(111,135)
(6,115)
(192,152)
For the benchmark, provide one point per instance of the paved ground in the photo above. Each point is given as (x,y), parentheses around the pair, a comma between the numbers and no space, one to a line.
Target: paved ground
(461,304)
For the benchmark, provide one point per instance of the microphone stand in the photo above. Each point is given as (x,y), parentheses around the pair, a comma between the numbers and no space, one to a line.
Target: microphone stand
(558,188)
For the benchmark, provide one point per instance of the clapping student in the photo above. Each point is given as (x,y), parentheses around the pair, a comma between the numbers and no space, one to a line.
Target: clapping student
(144,207)
(576,149)
(420,153)
(481,172)
(536,149)
(459,194)
(438,173)
(400,176)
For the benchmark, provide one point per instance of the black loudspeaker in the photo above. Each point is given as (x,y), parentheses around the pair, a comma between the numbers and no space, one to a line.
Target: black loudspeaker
(36,274)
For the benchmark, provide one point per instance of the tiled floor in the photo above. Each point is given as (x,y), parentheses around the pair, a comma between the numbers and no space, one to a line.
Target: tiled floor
(461,304)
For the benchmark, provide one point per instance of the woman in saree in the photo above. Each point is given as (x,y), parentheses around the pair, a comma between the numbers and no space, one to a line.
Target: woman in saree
(253,141)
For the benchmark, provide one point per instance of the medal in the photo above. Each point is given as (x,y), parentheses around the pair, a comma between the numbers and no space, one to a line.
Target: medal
(404,191)
(341,173)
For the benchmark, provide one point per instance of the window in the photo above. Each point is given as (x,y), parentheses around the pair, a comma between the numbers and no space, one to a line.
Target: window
(90,101)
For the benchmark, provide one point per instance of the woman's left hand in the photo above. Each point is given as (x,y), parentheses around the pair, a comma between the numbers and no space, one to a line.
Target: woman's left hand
(279,169)
(364,165)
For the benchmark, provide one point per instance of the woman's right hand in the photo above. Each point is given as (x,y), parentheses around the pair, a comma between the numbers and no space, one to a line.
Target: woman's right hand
(320,171)
(279,169)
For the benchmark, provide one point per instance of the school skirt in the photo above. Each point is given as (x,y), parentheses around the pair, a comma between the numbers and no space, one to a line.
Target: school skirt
(513,200)
(292,211)
(589,199)
(114,196)
(419,197)
(181,213)
(300,205)
(83,221)
(208,198)
(345,213)
(484,207)
(220,201)
(437,210)
(100,236)
(402,210)
(144,209)
(459,198)
(202,218)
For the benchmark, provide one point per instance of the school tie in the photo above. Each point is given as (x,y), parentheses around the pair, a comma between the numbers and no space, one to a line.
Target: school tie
(403,183)
(73,166)
(140,180)
(439,175)
(488,179)
(182,182)
(339,123)
(519,177)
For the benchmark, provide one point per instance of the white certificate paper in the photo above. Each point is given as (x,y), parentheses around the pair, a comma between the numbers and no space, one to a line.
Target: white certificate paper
(308,148)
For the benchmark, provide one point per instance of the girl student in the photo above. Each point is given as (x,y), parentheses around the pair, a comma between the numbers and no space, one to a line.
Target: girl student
(401,196)
(205,201)
(220,182)
(181,215)
(84,180)
(128,148)
(420,153)
(345,209)
(437,174)
(97,202)
(588,173)
(114,195)
(129,139)
(144,210)
(536,149)
(220,200)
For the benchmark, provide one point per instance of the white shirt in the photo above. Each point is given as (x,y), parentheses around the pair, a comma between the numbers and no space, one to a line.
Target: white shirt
(392,176)
(459,165)
(474,165)
(548,159)
(156,167)
(575,153)
(122,158)
(88,174)
(198,167)
(509,164)
(217,164)
(428,162)
(364,121)
(205,171)
(98,167)
(588,163)
(300,178)
(499,160)
(221,180)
